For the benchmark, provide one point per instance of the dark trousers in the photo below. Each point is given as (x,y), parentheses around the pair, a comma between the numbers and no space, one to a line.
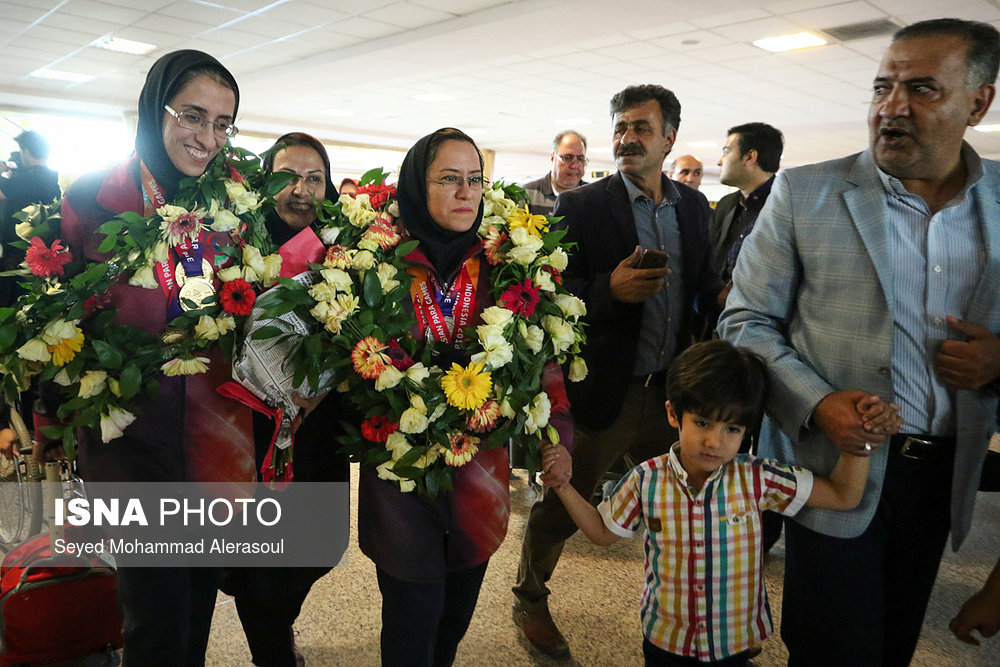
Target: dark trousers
(861,601)
(167,614)
(657,657)
(422,623)
(268,600)
(641,431)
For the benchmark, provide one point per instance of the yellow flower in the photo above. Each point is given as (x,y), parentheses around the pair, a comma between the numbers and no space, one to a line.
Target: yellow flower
(461,448)
(467,388)
(63,352)
(34,350)
(577,369)
(206,328)
(92,383)
(536,225)
(191,366)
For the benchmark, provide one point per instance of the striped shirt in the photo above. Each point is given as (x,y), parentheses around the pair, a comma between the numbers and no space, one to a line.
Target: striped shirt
(704,591)
(936,262)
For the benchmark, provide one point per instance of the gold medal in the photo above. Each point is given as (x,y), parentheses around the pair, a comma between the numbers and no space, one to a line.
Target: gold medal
(206,272)
(195,289)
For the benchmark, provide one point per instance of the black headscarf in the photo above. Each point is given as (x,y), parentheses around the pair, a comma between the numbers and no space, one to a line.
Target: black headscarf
(444,247)
(162,83)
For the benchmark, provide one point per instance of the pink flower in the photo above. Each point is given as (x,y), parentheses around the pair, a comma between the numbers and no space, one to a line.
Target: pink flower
(484,418)
(47,261)
(492,243)
(398,356)
(521,298)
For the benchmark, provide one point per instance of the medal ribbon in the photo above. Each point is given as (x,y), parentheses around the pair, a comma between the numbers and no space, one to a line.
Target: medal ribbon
(423,293)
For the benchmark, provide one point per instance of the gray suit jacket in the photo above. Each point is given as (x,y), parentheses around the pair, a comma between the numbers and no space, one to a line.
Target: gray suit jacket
(812,296)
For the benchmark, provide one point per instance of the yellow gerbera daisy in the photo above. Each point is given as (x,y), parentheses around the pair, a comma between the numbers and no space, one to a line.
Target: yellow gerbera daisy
(467,388)
(461,448)
(535,225)
(64,351)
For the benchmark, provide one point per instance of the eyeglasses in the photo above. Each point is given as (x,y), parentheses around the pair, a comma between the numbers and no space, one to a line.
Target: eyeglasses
(452,182)
(570,159)
(192,120)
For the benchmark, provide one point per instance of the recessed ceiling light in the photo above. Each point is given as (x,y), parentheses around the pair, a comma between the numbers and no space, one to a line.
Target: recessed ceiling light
(434,97)
(570,122)
(123,45)
(59,75)
(702,144)
(339,113)
(799,40)
(987,128)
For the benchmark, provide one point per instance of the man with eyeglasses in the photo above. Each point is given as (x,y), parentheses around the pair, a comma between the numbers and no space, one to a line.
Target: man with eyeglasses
(569,162)
(642,265)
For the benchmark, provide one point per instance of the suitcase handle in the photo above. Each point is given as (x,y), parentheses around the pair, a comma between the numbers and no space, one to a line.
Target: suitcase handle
(101,564)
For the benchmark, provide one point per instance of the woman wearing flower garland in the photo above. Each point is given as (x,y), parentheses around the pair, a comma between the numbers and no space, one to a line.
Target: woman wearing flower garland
(431,553)
(268,600)
(189,432)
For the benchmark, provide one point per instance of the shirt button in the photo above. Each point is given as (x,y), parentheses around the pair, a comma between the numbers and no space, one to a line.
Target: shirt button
(697,503)
(937,269)
(700,587)
(937,320)
(701,625)
(699,545)
(884,371)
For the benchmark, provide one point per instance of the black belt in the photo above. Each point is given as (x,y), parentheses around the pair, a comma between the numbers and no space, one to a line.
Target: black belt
(923,447)
(651,380)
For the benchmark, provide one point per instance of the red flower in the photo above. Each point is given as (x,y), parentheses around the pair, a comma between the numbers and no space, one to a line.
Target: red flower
(235,174)
(237,297)
(521,298)
(44,261)
(378,428)
(398,356)
(378,193)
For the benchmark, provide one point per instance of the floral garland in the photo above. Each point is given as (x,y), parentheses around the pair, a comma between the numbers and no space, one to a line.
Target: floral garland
(420,421)
(62,330)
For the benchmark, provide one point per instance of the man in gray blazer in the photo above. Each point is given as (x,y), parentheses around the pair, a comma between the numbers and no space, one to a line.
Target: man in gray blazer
(879,273)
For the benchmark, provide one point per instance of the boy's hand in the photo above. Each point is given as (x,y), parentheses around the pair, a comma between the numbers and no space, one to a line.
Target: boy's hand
(838,417)
(980,612)
(879,417)
(557,466)
(8,441)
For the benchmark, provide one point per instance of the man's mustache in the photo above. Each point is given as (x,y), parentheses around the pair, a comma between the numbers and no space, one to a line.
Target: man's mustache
(630,149)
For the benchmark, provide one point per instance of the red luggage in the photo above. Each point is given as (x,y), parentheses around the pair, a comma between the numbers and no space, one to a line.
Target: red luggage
(50,614)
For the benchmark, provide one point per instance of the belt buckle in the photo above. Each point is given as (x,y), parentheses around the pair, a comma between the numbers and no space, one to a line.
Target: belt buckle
(910,442)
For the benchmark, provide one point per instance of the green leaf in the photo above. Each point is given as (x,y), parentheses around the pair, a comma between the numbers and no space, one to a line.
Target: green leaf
(372,289)
(8,334)
(128,384)
(375,175)
(264,333)
(405,248)
(108,355)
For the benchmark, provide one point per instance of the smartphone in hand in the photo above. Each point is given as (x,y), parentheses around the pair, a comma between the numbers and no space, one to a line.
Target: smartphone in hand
(652,259)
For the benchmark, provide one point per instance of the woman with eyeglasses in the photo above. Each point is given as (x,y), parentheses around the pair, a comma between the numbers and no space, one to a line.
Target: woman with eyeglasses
(431,553)
(189,432)
(268,600)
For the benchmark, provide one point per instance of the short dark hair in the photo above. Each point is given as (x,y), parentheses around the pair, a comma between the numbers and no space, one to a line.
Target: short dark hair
(301,139)
(982,58)
(718,381)
(633,96)
(34,143)
(763,138)
(565,133)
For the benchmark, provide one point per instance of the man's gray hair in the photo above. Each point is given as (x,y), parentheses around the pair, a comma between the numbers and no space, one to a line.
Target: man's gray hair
(566,133)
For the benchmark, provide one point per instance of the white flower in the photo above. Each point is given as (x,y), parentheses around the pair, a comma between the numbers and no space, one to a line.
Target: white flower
(329,235)
(577,369)
(383,471)
(224,220)
(144,277)
(533,337)
(253,264)
(363,260)
(23,230)
(169,212)
(417,402)
(323,291)
(538,413)
(387,276)
(246,202)
(560,331)
(572,307)
(393,209)
(558,260)
(497,315)
(413,421)
(62,378)
(114,423)
(388,378)
(417,373)
(495,355)
(506,409)
(339,279)
(543,281)
(490,334)
(438,411)
(398,445)
(230,273)
(92,383)
(206,328)
(490,220)
(234,189)
(57,331)
(225,324)
(357,209)
(34,350)
(526,246)
(272,269)
(160,253)
(368,244)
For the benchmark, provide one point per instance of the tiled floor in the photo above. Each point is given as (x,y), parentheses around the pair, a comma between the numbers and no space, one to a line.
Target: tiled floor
(594,602)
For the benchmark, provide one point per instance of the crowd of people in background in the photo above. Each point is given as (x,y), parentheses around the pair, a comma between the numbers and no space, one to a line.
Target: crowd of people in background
(853,391)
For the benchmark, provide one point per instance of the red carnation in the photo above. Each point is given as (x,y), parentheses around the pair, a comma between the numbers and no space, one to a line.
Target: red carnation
(398,356)
(521,298)
(378,428)
(44,261)
(237,297)
(378,193)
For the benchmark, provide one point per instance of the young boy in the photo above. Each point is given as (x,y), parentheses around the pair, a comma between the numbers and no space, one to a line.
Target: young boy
(704,599)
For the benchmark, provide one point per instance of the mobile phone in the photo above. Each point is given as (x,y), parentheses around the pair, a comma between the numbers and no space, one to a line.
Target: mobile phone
(652,259)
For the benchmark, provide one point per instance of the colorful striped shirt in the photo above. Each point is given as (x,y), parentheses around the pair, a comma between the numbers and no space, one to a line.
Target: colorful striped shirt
(704,591)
